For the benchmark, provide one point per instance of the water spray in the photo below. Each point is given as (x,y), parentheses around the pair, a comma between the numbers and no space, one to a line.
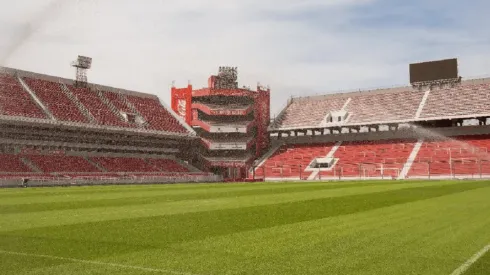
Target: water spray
(25,32)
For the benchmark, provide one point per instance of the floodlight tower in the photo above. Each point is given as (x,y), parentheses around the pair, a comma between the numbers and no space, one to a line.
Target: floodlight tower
(83,63)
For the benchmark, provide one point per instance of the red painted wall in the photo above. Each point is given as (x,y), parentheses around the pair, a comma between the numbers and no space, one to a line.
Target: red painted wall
(182,102)
(263,113)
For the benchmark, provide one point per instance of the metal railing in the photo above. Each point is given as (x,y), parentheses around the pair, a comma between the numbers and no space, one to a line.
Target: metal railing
(470,168)
(45,181)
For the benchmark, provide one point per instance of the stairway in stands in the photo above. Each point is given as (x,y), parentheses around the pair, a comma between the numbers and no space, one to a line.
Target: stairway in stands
(35,98)
(290,161)
(330,154)
(267,155)
(408,165)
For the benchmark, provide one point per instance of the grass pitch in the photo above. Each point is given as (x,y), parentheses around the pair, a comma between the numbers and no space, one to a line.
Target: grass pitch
(268,228)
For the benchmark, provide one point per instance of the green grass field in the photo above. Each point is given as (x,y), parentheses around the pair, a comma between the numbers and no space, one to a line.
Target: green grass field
(267,228)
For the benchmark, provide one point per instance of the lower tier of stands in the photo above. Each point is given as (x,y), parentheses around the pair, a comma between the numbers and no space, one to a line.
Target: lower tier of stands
(462,156)
(291,161)
(370,159)
(48,166)
(466,156)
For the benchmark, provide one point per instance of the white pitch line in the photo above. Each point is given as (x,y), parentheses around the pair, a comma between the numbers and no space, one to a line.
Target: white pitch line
(156,270)
(463,268)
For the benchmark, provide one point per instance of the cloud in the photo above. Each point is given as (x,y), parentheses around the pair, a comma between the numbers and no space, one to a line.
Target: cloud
(300,47)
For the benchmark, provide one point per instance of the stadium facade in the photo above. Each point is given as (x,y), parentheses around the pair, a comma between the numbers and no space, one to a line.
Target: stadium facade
(231,122)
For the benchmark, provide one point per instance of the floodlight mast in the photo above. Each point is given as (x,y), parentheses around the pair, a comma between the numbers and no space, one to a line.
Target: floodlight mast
(227,78)
(82,64)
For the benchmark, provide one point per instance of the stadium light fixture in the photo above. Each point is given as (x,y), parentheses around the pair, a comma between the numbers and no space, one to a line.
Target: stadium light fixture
(82,64)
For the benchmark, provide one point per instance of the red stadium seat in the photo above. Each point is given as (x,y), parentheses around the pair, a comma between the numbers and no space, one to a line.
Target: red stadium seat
(461,156)
(60,163)
(168,165)
(101,112)
(53,97)
(122,164)
(156,115)
(15,101)
(12,164)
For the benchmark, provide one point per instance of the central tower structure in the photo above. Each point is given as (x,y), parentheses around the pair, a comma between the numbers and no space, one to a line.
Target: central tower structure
(231,122)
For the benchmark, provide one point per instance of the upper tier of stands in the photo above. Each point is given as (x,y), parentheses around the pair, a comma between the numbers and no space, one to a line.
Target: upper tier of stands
(300,114)
(53,97)
(15,101)
(392,105)
(464,100)
(64,102)
(158,117)
(117,100)
(101,112)
(380,107)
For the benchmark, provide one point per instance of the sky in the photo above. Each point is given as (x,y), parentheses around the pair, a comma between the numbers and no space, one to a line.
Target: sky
(297,47)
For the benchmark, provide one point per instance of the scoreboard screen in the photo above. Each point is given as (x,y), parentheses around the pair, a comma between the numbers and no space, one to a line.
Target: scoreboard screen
(434,70)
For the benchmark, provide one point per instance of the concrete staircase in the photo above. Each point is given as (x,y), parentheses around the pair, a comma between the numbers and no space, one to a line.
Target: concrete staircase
(188,166)
(153,165)
(346,104)
(330,154)
(109,104)
(422,104)
(35,98)
(411,158)
(267,155)
(133,109)
(95,164)
(31,165)
(128,103)
(80,106)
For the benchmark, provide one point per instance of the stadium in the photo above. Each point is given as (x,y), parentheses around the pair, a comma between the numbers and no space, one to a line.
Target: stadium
(364,182)
(62,131)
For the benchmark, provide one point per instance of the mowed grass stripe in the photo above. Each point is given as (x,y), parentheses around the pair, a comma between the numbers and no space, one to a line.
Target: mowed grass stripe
(180,188)
(160,231)
(122,190)
(99,263)
(157,198)
(178,193)
(425,237)
(414,237)
(19,221)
